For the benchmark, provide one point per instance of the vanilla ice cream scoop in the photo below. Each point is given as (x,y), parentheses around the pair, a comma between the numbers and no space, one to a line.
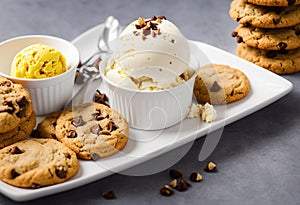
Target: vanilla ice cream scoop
(38,61)
(151,54)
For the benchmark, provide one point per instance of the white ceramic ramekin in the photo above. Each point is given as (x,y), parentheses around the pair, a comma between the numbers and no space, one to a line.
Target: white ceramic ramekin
(48,94)
(150,110)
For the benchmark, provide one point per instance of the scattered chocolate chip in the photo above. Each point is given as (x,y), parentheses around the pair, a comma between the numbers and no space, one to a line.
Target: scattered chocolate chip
(175,174)
(77,121)
(153,18)
(271,54)
(67,155)
(109,194)
(182,185)
(22,112)
(10,107)
(234,34)
(291,2)
(166,191)
(35,186)
(239,39)
(210,167)
(15,150)
(196,177)
(61,172)
(14,174)
(22,101)
(96,129)
(282,45)
(100,98)
(54,136)
(111,126)
(72,134)
(276,21)
(215,87)
(247,24)
(238,19)
(6,83)
(162,17)
(173,183)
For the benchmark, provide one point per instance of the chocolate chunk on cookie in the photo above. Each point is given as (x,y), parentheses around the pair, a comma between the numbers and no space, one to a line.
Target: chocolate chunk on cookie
(92,130)
(274,2)
(280,62)
(269,39)
(35,163)
(264,17)
(15,105)
(220,84)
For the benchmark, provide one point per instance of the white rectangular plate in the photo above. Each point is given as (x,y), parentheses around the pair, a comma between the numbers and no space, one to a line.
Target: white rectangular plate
(266,88)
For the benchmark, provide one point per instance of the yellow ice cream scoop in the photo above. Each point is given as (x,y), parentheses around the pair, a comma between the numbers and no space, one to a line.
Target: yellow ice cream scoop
(38,61)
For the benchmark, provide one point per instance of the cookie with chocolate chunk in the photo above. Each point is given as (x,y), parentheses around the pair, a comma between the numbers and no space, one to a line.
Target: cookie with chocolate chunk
(274,2)
(264,17)
(269,39)
(279,62)
(15,105)
(35,163)
(220,84)
(46,128)
(92,130)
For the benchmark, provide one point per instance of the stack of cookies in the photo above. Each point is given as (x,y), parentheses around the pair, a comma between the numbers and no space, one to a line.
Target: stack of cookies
(17,118)
(269,33)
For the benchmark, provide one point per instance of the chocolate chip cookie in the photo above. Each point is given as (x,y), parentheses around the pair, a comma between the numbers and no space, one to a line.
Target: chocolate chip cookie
(35,163)
(269,39)
(280,62)
(46,128)
(274,2)
(19,133)
(92,130)
(220,84)
(15,105)
(264,17)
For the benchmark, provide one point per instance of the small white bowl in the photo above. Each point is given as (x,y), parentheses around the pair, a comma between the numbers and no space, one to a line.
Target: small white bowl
(151,110)
(47,94)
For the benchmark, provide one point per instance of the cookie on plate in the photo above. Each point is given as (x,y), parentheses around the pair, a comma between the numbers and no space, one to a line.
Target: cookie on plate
(274,2)
(35,163)
(269,39)
(280,62)
(15,105)
(19,133)
(46,128)
(220,84)
(264,17)
(92,130)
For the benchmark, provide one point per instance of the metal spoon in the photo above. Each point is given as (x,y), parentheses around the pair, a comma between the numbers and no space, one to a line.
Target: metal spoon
(111,31)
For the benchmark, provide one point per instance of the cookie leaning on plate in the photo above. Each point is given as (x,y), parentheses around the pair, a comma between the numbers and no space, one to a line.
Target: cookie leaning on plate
(280,62)
(35,163)
(19,133)
(15,105)
(220,84)
(269,39)
(92,130)
(264,17)
(274,2)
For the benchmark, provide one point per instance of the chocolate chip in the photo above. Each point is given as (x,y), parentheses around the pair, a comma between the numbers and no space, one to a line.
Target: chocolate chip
(182,185)
(282,45)
(100,98)
(22,101)
(239,39)
(146,31)
(238,19)
(72,134)
(77,121)
(111,126)
(67,155)
(166,191)
(173,183)
(10,106)
(162,17)
(234,34)
(196,177)
(215,87)
(175,174)
(153,18)
(14,174)
(276,21)
(247,24)
(61,172)
(6,83)
(96,129)
(210,167)
(271,54)
(291,2)
(109,194)
(22,112)
(15,150)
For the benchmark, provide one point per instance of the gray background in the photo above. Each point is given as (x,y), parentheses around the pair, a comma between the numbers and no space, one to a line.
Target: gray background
(258,157)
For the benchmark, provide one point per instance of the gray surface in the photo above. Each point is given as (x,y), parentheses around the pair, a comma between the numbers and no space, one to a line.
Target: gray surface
(258,157)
